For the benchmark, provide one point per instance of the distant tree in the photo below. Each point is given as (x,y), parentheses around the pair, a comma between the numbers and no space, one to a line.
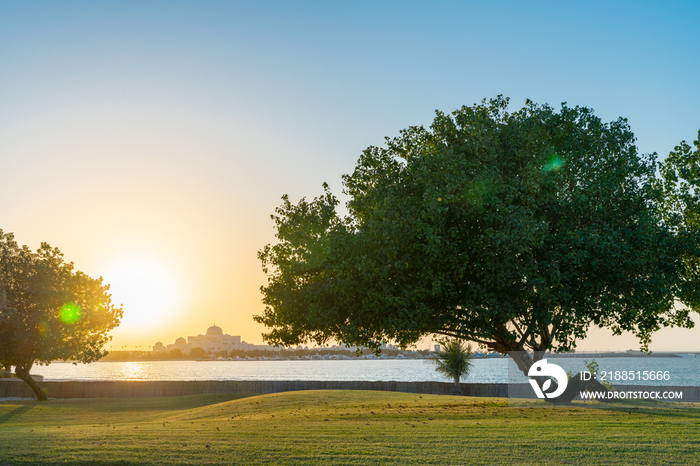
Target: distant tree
(198,353)
(454,361)
(51,311)
(4,370)
(176,353)
(517,231)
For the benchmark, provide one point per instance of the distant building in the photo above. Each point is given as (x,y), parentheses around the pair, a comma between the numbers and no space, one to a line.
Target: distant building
(214,341)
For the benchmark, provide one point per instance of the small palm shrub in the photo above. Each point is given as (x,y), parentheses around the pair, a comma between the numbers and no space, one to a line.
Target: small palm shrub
(454,361)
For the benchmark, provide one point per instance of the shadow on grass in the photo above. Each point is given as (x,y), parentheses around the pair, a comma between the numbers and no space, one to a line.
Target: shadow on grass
(14,413)
(658,408)
(154,404)
(667,409)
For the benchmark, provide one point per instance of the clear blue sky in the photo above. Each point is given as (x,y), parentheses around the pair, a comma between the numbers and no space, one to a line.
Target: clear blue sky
(159,136)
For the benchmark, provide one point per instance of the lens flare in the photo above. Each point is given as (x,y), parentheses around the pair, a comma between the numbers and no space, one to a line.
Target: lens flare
(555,164)
(70,313)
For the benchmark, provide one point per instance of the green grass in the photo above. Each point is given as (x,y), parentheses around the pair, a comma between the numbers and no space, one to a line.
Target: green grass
(343,427)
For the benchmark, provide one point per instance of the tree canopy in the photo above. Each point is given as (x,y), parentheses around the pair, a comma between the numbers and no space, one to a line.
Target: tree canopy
(50,311)
(518,231)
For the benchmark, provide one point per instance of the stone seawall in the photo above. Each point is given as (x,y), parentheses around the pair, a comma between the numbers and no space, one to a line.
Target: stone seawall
(154,388)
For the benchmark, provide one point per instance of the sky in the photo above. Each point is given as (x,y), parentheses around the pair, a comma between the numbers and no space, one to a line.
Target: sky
(151,140)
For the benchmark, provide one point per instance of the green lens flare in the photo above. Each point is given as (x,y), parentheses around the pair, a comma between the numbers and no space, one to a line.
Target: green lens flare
(555,164)
(70,313)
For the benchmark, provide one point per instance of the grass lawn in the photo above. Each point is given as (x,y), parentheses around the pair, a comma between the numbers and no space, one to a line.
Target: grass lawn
(343,427)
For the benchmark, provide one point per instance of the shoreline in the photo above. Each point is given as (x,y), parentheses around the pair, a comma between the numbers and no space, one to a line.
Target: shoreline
(601,354)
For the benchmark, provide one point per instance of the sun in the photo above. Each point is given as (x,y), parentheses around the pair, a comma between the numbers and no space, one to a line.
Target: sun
(149,292)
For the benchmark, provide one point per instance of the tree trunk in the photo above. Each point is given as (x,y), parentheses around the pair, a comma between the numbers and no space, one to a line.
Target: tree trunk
(523,359)
(22,372)
(458,392)
(575,386)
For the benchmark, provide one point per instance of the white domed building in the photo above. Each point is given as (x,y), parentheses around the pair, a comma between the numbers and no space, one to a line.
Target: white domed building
(181,344)
(214,341)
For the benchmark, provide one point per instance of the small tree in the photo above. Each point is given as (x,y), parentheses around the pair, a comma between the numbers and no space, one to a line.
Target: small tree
(198,353)
(454,361)
(49,310)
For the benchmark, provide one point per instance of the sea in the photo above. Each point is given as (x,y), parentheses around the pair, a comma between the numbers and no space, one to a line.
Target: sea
(679,371)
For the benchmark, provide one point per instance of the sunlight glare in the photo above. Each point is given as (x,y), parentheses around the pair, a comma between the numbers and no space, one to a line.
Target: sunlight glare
(148,291)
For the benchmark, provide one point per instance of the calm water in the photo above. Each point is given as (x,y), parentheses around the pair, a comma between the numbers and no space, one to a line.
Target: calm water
(393,369)
(683,371)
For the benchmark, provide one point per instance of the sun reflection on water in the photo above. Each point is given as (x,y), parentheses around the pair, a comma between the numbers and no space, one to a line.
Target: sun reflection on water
(131,370)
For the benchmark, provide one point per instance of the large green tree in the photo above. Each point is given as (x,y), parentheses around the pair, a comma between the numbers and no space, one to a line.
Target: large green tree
(50,311)
(518,231)
(679,182)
